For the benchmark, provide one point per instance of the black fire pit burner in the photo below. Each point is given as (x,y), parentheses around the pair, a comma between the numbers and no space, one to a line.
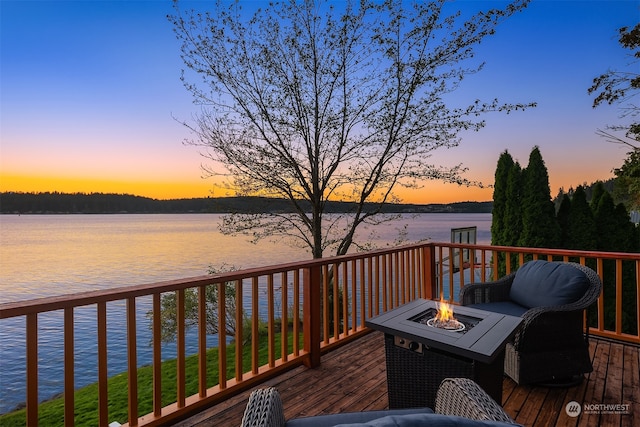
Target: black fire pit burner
(427,317)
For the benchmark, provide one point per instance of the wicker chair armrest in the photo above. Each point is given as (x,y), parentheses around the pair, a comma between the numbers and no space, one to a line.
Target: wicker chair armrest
(264,409)
(480,293)
(464,398)
(548,327)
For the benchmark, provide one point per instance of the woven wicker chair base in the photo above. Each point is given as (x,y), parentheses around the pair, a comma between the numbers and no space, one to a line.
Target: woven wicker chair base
(552,368)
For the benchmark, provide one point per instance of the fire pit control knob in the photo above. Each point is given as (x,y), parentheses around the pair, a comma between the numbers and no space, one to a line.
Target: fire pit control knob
(414,346)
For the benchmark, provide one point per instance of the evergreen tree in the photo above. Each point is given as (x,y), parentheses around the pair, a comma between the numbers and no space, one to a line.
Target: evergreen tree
(581,233)
(513,209)
(505,164)
(608,238)
(597,191)
(563,217)
(626,230)
(513,213)
(539,225)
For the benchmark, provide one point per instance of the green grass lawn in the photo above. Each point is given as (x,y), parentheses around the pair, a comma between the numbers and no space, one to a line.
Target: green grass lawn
(51,413)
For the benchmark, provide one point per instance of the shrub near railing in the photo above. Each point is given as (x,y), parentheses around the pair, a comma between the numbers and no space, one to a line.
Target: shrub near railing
(309,308)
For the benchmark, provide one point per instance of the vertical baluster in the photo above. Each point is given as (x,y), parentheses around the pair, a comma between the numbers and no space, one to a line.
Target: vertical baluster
(408,254)
(32,369)
(402,278)
(296,312)
(354,295)
(239,328)
(393,280)
(452,254)
(600,270)
(270,321)
(222,334)
(255,318)
(440,272)
(180,348)
(157,354)
(618,296)
(413,261)
(336,301)
(383,282)
(284,336)
(344,301)
(363,297)
(370,282)
(461,274)
(325,303)
(69,388)
(202,341)
(395,277)
(103,397)
(132,361)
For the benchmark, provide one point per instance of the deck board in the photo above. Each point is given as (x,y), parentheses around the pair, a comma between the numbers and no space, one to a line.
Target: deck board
(353,378)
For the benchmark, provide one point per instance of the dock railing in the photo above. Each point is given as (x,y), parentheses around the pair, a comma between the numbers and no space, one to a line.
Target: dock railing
(285,316)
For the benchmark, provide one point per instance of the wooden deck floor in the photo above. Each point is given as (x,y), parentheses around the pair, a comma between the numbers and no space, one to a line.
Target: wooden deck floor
(353,378)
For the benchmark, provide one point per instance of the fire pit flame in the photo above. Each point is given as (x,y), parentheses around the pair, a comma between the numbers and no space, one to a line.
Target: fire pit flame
(444,319)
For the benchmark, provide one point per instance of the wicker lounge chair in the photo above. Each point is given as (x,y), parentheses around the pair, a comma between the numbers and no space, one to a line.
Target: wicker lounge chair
(460,401)
(550,346)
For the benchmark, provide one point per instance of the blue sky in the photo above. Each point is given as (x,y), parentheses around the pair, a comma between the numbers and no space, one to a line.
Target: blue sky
(89,91)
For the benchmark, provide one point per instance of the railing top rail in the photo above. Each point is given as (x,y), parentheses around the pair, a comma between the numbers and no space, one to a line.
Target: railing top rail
(58,302)
(545,251)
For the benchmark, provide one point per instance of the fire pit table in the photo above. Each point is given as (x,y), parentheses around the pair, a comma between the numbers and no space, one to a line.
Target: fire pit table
(422,351)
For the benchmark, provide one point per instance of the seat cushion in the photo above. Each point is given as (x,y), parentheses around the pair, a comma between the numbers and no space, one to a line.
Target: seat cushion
(422,420)
(543,283)
(351,417)
(502,307)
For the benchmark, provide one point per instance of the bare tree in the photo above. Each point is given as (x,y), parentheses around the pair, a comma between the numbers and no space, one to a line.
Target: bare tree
(619,87)
(311,102)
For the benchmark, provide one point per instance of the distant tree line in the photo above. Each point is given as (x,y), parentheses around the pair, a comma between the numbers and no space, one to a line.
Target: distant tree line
(103,203)
(524,215)
(95,203)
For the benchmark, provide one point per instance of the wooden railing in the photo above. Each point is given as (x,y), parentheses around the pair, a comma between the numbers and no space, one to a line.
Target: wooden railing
(302,309)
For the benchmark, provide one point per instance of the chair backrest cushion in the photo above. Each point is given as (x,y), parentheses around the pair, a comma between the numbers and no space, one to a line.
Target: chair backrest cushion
(542,283)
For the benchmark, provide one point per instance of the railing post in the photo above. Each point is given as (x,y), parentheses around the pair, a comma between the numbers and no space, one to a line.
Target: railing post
(32,369)
(429,283)
(311,314)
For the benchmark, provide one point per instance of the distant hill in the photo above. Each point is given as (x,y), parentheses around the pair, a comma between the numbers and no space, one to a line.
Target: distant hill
(105,203)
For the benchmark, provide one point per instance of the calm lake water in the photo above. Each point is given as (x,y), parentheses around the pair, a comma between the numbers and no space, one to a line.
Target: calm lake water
(46,255)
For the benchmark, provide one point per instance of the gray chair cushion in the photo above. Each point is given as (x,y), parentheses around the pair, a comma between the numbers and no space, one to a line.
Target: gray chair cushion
(422,420)
(502,307)
(351,417)
(543,284)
